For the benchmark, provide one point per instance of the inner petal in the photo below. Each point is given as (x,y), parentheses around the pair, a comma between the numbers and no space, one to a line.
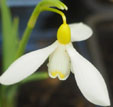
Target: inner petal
(59,63)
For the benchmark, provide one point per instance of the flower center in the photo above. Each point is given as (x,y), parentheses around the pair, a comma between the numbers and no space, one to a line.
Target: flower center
(64,34)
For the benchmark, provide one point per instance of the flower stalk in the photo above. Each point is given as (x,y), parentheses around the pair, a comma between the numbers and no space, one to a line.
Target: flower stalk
(31,24)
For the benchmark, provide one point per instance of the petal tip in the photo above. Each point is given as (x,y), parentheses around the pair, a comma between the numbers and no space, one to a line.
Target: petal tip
(89,30)
(106,101)
(80,31)
(3,82)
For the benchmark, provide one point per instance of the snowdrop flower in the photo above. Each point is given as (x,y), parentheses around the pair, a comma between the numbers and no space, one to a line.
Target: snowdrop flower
(63,58)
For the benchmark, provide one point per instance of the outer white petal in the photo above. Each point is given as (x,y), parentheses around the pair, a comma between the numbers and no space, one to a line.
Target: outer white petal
(26,65)
(88,78)
(80,31)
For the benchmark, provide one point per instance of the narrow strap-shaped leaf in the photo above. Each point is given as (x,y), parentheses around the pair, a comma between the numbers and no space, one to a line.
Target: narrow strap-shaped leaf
(6,31)
(9,33)
(15,38)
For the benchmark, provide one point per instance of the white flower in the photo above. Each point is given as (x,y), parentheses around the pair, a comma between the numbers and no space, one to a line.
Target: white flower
(63,58)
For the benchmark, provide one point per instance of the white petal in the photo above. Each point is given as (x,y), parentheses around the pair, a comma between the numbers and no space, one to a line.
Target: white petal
(89,80)
(26,65)
(59,63)
(80,31)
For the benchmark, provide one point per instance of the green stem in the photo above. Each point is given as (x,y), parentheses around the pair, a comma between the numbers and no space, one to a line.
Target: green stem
(23,42)
(8,95)
(28,30)
(11,97)
(0,96)
(56,11)
(3,97)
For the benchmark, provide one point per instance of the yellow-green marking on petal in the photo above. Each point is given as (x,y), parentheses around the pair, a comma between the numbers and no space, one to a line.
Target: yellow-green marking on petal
(64,34)
(58,73)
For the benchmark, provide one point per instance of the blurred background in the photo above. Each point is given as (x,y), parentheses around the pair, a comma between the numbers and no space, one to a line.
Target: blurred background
(98,14)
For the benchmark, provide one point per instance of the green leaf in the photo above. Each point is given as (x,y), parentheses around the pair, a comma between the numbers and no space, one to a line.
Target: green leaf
(35,77)
(15,38)
(9,35)
(12,96)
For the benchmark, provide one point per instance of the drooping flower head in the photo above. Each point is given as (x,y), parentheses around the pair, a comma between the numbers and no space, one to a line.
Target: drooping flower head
(63,59)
